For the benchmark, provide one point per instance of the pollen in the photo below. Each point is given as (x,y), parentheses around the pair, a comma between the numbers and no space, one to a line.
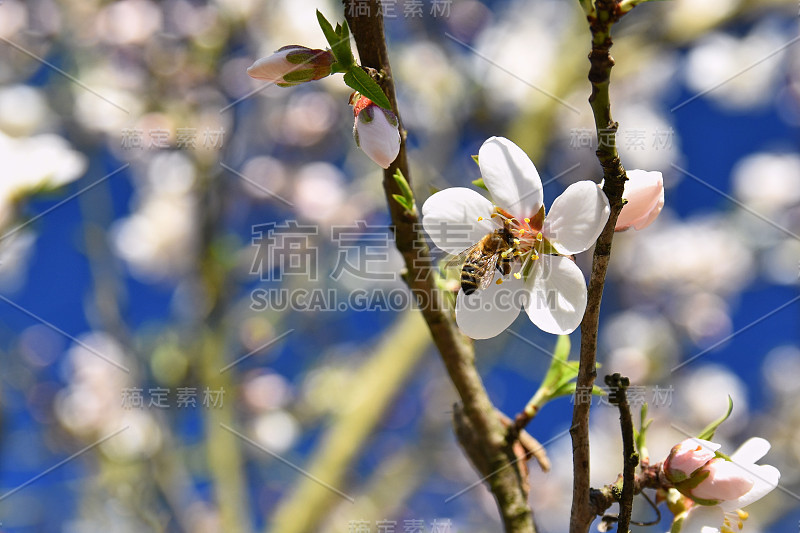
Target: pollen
(539,236)
(517,275)
(480,218)
(527,221)
(499,281)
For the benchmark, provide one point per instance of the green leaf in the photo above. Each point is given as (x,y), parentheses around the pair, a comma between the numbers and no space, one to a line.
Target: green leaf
(641,434)
(364,84)
(403,184)
(327,29)
(406,199)
(400,199)
(708,432)
(339,41)
(479,183)
(561,351)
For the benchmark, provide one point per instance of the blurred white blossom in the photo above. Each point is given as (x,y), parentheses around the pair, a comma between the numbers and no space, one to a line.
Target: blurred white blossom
(702,394)
(698,254)
(35,164)
(641,346)
(276,430)
(158,239)
(768,181)
(719,66)
(23,110)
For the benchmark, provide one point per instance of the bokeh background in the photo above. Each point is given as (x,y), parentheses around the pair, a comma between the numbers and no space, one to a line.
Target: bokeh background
(142,170)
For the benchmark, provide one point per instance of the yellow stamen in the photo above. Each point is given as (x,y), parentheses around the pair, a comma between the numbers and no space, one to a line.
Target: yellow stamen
(480,218)
(517,275)
(522,232)
(516,241)
(539,236)
(744,515)
(499,281)
(527,221)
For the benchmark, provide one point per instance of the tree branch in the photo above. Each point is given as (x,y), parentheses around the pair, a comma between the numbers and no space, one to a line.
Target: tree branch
(486,447)
(607,12)
(619,397)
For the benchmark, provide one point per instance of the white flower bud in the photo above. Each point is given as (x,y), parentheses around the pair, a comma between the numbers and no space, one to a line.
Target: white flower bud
(644,192)
(376,131)
(292,65)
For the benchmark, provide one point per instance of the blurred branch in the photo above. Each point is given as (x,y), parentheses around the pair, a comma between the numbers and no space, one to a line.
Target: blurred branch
(378,382)
(489,452)
(223,450)
(614,175)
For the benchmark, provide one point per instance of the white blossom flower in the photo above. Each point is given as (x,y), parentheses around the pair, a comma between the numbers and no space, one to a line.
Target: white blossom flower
(292,65)
(548,285)
(730,486)
(376,131)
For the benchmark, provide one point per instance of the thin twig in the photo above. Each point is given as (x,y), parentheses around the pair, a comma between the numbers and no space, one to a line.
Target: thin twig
(619,397)
(614,175)
(488,449)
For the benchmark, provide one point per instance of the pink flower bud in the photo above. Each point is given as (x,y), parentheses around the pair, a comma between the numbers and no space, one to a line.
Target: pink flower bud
(292,65)
(644,192)
(687,457)
(722,481)
(376,130)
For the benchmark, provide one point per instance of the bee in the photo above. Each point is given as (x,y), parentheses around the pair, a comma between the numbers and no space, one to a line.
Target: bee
(494,250)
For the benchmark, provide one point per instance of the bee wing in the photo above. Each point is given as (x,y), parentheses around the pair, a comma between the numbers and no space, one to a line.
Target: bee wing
(459,257)
(488,276)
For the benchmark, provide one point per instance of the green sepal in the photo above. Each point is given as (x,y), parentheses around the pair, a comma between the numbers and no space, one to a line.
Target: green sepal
(708,432)
(480,184)
(357,79)
(475,158)
(299,76)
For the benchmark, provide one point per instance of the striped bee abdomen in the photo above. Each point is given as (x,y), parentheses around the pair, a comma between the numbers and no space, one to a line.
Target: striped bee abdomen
(470,279)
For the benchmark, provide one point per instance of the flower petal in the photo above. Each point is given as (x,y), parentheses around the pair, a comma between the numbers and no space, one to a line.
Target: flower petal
(576,218)
(751,451)
(450,218)
(644,192)
(511,177)
(765,479)
(557,298)
(487,313)
(726,481)
(704,519)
